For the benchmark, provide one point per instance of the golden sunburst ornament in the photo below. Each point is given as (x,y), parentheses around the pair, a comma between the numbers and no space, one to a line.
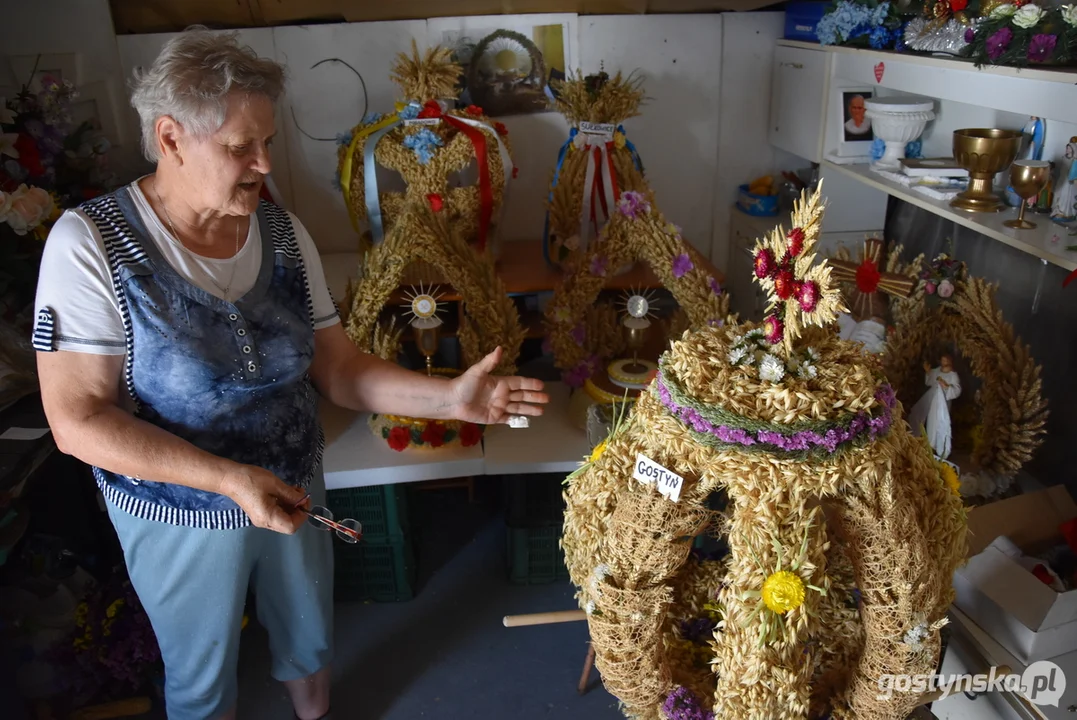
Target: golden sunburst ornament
(638,306)
(801,292)
(506,54)
(422,308)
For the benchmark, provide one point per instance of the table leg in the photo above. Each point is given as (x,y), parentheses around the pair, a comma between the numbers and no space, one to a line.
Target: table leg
(587,663)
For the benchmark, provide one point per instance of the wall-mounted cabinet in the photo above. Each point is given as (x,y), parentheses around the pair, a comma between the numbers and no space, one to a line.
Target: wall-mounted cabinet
(798,87)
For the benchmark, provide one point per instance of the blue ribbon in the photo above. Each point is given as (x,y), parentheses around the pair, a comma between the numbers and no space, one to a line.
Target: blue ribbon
(370,182)
(556,175)
(632,149)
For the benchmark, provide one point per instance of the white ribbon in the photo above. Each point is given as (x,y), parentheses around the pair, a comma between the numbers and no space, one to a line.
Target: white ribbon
(589,180)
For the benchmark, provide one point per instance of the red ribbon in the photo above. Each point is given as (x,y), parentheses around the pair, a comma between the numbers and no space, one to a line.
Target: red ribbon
(478,140)
(599,186)
(1069,278)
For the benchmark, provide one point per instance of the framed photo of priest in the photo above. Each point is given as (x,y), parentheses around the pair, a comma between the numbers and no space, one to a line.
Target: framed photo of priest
(855,136)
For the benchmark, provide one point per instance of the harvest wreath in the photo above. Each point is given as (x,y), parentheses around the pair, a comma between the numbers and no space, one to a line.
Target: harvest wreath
(842,533)
(427,141)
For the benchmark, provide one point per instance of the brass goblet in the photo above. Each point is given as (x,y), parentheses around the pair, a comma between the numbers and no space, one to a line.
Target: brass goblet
(984,153)
(1027,178)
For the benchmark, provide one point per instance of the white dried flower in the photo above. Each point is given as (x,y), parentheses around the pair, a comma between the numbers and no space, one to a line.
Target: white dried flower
(1003,11)
(637,617)
(589,608)
(602,572)
(771,368)
(737,355)
(1069,14)
(916,635)
(812,354)
(807,370)
(1028,16)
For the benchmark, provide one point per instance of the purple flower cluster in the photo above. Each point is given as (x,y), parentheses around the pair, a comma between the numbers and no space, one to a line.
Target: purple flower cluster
(633,204)
(682,265)
(598,265)
(861,425)
(998,42)
(578,375)
(1041,47)
(697,630)
(682,704)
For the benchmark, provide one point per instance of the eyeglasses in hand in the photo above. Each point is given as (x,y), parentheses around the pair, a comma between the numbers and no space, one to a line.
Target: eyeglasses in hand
(348,530)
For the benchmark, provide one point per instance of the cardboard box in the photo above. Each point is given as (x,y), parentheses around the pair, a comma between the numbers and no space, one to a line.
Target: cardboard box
(1021,613)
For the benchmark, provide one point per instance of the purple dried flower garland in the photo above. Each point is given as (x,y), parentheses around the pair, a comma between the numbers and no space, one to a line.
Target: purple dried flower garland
(824,439)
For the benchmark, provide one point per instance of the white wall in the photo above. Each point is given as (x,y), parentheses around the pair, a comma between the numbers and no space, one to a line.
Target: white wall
(702,131)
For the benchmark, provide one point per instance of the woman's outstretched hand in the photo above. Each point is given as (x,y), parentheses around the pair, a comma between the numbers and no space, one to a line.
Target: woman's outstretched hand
(486,399)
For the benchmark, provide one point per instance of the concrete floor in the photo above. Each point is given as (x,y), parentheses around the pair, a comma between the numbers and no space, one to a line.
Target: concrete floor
(446,654)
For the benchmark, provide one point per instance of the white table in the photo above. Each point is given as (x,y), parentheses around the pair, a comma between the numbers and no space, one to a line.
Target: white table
(354,457)
(550,445)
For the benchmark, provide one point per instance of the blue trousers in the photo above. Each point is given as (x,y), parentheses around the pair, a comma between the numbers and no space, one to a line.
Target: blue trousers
(193,584)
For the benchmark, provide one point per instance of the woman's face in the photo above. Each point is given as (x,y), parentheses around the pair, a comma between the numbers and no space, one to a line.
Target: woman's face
(224,171)
(1071,151)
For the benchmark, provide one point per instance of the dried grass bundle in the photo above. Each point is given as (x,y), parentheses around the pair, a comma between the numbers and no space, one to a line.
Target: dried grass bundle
(591,99)
(430,75)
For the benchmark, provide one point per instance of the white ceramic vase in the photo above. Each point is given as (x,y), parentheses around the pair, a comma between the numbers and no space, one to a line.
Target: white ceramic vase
(898,121)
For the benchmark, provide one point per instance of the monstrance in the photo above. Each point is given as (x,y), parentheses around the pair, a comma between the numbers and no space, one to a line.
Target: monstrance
(422,309)
(634,373)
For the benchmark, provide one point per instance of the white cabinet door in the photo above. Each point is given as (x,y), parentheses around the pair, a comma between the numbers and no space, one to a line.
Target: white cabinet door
(746,297)
(797,100)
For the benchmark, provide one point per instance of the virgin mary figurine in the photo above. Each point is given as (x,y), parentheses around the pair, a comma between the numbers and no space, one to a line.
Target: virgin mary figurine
(1065,206)
(932,412)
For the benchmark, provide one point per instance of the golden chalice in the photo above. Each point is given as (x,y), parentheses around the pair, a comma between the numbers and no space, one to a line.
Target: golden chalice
(634,373)
(984,152)
(1027,178)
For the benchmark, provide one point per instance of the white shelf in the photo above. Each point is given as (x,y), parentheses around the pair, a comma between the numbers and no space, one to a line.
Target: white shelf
(1046,93)
(355,458)
(1036,242)
(550,445)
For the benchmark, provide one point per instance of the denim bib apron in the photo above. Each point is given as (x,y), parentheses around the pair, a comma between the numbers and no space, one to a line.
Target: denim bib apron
(230,378)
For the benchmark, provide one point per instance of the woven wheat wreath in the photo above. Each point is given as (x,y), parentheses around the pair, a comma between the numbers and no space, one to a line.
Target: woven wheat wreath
(1010,404)
(426,142)
(842,533)
(582,332)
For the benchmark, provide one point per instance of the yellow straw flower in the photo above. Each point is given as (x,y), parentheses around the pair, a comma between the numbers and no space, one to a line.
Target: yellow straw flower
(597,452)
(783,591)
(619,140)
(949,476)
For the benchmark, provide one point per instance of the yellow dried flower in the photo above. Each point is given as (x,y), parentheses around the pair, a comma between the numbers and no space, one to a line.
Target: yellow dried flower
(619,140)
(783,591)
(949,476)
(597,452)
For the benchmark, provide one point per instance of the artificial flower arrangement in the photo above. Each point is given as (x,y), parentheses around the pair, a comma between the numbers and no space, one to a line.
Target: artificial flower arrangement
(47,163)
(863,23)
(940,278)
(112,652)
(401,433)
(1022,34)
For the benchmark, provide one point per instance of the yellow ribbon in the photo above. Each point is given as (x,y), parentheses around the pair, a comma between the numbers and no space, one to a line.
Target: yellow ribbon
(346,168)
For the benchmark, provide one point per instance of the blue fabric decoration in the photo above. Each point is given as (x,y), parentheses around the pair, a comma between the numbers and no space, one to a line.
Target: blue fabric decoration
(372,117)
(912,150)
(410,112)
(344,138)
(423,143)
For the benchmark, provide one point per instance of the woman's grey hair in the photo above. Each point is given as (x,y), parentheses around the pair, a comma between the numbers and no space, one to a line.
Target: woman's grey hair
(191,79)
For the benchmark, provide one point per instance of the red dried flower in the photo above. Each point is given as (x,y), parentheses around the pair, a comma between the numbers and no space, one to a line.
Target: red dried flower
(436,203)
(473,110)
(399,438)
(785,284)
(773,328)
(434,434)
(867,277)
(764,264)
(470,434)
(501,129)
(796,241)
(430,110)
(958,5)
(808,295)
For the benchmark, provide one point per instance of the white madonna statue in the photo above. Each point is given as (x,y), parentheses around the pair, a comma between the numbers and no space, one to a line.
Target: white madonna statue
(932,412)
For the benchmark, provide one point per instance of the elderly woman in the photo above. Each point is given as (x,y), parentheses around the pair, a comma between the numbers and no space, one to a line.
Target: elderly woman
(185,332)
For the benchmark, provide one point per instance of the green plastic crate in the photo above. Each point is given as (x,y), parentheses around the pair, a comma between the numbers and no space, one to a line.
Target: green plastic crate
(382,572)
(382,509)
(535,500)
(535,555)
